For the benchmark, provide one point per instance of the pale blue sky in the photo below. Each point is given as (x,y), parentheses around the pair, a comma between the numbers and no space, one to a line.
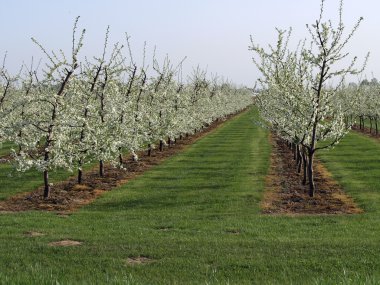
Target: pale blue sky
(211,33)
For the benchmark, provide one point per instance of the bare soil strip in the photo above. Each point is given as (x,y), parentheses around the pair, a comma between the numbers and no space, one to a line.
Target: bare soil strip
(366,131)
(68,196)
(286,195)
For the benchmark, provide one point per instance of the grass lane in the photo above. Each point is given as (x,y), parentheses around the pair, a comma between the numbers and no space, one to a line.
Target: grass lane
(197,215)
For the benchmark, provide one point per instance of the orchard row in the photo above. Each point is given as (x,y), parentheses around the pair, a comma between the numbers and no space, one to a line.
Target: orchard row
(77,112)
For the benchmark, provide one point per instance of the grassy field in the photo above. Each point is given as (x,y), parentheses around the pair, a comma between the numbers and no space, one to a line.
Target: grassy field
(197,217)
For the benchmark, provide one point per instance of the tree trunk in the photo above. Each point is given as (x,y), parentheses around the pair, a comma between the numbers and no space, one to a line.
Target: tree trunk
(149,149)
(161,145)
(80,175)
(304,163)
(19,146)
(299,159)
(169,141)
(101,168)
(121,159)
(310,173)
(80,171)
(377,130)
(46,173)
(47,186)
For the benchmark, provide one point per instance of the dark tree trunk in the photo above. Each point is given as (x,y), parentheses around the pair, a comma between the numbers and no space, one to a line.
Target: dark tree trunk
(101,168)
(377,130)
(169,141)
(310,173)
(121,159)
(304,163)
(161,145)
(47,186)
(19,146)
(149,149)
(299,159)
(80,176)
(80,172)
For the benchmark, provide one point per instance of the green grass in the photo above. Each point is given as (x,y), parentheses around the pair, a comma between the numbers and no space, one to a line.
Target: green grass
(199,197)
(5,148)
(355,163)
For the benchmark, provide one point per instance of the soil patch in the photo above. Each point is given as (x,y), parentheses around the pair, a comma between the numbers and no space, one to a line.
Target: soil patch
(66,242)
(67,195)
(33,234)
(285,193)
(233,231)
(139,260)
(366,131)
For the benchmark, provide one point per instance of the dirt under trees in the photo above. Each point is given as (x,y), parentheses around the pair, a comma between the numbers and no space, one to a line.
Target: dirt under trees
(285,194)
(68,195)
(366,131)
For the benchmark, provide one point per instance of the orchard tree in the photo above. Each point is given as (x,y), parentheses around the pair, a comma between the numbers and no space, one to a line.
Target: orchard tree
(301,79)
(47,139)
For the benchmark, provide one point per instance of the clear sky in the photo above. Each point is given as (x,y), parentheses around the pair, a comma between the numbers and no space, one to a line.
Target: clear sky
(211,33)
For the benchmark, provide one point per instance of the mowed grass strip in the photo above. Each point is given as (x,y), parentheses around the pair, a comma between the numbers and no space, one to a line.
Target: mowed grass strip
(195,219)
(355,164)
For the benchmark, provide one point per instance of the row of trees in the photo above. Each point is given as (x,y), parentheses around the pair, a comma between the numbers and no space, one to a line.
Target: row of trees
(77,112)
(302,98)
(368,107)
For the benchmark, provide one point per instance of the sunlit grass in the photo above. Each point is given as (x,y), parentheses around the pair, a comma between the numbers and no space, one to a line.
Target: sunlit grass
(197,217)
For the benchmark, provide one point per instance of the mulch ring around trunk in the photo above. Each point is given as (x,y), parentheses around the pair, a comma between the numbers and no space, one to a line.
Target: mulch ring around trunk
(68,196)
(285,194)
